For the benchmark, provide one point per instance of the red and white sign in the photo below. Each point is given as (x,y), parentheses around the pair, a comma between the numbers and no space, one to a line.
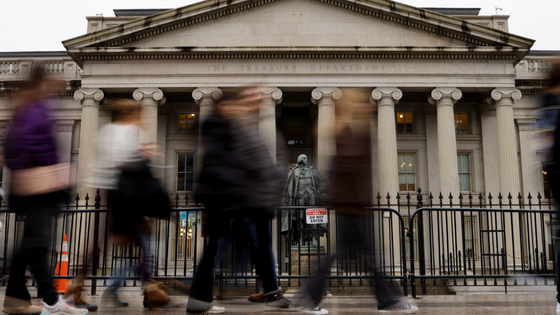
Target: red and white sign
(316,216)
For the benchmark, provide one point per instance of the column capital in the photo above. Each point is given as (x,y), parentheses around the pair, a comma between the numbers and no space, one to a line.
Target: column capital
(445,96)
(321,93)
(199,93)
(82,95)
(500,94)
(155,93)
(392,95)
(274,93)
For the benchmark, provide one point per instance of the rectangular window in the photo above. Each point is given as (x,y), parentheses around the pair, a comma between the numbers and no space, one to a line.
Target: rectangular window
(414,237)
(407,171)
(186,123)
(405,122)
(470,238)
(464,166)
(185,171)
(461,123)
(295,134)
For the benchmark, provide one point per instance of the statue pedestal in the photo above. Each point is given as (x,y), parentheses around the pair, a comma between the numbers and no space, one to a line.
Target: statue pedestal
(306,260)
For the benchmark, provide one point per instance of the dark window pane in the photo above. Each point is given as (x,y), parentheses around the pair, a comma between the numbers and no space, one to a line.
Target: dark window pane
(180,182)
(189,180)
(190,162)
(180,162)
(402,187)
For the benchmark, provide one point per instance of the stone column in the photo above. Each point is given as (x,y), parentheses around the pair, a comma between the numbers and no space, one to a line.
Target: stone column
(444,99)
(507,145)
(149,98)
(205,98)
(530,167)
(387,140)
(326,142)
(490,150)
(267,118)
(90,99)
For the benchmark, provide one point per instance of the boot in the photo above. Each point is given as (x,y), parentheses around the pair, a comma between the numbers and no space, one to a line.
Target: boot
(259,297)
(155,296)
(74,296)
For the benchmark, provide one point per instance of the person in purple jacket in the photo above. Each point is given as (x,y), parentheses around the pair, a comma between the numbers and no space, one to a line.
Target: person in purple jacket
(30,153)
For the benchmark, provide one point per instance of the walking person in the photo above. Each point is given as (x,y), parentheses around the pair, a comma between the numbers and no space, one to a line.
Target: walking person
(238,179)
(38,181)
(350,190)
(122,169)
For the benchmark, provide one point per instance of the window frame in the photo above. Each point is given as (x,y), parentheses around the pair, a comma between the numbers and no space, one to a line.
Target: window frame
(466,113)
(407,173)
(470,171)
(411,112)
(187,130)
(185,172)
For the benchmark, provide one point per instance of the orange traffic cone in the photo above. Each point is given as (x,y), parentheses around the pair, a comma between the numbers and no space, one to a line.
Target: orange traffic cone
(62,268)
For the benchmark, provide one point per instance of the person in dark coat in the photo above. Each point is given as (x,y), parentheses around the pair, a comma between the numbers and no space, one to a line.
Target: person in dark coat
(349,191)
(238,179)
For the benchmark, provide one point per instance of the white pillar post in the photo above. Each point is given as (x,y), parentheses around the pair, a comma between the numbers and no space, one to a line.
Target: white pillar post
(89,99)
(507,145)
(326,142)
(387,140)
(205,98)
(444,99)
(267,118)
(150,98)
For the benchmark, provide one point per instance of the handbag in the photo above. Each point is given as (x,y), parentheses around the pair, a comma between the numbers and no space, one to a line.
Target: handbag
(42,179)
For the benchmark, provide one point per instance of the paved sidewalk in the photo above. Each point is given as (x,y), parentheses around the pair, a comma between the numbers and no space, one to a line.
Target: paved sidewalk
(436,305)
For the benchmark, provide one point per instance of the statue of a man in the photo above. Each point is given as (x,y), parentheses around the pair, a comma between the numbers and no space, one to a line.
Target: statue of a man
(304,187)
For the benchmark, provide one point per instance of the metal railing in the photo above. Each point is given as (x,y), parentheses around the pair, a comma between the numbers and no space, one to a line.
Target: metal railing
(467,240)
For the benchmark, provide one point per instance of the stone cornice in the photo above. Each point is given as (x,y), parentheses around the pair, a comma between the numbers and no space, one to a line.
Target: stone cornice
(291,53)
(392,12)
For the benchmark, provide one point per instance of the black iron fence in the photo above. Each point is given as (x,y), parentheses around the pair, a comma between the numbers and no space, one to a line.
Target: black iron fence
(420,241)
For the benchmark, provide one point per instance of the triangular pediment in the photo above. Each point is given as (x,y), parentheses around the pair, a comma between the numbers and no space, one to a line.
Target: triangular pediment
(297,25)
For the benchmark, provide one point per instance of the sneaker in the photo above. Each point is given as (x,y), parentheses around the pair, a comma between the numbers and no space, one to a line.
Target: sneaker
(402,306)
(19,306)
(259,297)
(112,298)
(317,310)
(557,308)
(74,297)
(195,306)
(62,308)
(275,301)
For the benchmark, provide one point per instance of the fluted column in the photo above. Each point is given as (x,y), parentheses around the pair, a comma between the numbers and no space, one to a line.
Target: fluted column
(444,99)
(326,142)
(507,143)
(387,140)
(267,118)
(89,99)
(205,98)
(149,98)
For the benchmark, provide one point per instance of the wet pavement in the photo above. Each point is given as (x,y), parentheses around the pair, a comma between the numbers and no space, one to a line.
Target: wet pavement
(337,305)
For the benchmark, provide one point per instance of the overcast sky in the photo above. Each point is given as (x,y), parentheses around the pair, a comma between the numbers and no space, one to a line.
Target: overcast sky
(33,25)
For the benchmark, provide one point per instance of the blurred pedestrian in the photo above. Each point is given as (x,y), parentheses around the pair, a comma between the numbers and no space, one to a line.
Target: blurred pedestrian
(238,179)
(37,189)
(134,195)
(551,113)
(350,190)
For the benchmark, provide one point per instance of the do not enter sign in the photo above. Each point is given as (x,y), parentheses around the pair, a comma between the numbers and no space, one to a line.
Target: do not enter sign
(316,216)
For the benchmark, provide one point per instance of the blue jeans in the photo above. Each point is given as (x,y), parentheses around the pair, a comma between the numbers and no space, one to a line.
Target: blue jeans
(145,266)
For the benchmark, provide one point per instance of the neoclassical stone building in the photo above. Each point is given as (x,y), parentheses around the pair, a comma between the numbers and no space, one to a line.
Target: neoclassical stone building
(455,90)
